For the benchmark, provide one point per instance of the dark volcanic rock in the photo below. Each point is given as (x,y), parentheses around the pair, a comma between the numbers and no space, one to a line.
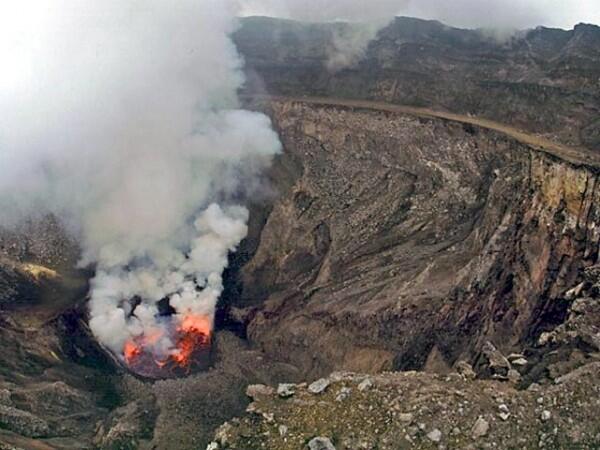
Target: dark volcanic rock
(192,408)
(9,282)
(412,410)
(23,422)
(127,426)
(545,80)
(401,234)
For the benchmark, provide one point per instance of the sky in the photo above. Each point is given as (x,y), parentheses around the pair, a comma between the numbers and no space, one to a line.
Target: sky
(503,14)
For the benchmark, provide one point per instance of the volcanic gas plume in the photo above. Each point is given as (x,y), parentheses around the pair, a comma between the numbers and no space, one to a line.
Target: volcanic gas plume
(349,41)
(121,117)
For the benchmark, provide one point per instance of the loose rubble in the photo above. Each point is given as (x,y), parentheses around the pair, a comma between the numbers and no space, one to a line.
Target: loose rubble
(319,386)
(365,384)
(435,435)
(480,428)
(320,443)
(286,390)
(23,422)
(255,391)
(417,410)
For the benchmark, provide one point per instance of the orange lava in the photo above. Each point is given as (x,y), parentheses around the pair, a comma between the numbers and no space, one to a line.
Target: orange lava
(192,333)
(131,351)
(196,323)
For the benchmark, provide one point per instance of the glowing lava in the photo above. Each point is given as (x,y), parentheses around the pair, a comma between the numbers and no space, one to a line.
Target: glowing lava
(192,340)
(131,351)
(194,331)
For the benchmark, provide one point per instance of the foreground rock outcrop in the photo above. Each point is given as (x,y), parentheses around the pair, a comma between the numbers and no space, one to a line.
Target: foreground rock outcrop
(414,410)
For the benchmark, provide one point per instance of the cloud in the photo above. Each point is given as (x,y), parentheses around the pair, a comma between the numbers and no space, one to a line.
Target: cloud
(499,18)
(320,11)
(514,14)
(506,14)
(121,117)
(348,44)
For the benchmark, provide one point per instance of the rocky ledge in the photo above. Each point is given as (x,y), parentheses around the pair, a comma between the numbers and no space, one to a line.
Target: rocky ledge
(417,410)
(543,397)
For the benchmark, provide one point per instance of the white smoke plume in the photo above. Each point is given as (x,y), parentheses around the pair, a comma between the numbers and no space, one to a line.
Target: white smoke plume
(349,43)
(121,117)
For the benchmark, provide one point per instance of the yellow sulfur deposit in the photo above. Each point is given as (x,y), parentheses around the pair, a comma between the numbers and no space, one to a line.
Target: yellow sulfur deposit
(39,272)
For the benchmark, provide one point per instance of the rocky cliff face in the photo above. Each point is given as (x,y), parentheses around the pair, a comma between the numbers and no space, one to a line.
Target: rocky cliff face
(544,80)
(405,243)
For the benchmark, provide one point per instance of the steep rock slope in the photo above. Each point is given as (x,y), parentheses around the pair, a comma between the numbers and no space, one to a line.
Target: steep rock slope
(407,242)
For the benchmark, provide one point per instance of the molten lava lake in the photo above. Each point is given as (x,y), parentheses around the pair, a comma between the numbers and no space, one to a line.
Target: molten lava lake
(192,339)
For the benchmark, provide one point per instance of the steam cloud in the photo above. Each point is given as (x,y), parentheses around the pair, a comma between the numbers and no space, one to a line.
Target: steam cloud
(349,43)
(122,118)
(502,15)
(493,14)
(499,19)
